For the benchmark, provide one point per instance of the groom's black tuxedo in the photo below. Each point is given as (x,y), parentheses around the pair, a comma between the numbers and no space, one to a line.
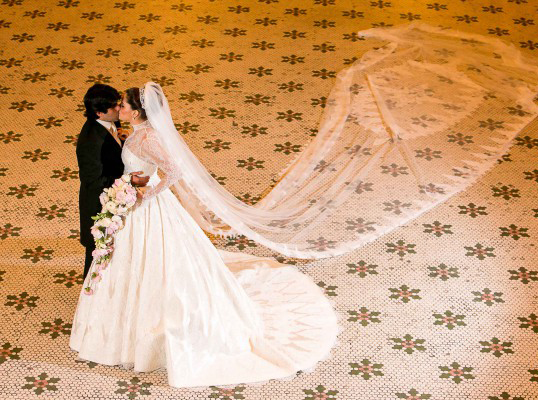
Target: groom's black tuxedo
(99,163)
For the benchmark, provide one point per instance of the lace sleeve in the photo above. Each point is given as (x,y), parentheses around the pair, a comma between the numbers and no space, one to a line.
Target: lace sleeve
(154,152)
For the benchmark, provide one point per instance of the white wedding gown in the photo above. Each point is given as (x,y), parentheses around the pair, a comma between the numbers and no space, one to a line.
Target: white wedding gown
(170,299)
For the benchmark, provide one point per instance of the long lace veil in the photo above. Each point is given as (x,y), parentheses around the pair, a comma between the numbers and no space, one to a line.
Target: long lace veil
(407,126)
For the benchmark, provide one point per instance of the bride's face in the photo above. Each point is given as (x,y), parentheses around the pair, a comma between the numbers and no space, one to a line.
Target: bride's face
(126,112)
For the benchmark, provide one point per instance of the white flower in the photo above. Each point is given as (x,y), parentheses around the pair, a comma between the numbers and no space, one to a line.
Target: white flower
(126,178)
(103,198)
(111,192)
(112,207)
(121,210)
(105,222)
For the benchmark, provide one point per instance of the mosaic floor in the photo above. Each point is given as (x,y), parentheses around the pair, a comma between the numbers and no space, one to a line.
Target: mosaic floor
(453,314)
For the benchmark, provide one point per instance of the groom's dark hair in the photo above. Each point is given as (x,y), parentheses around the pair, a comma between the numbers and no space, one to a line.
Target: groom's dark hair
(99,98)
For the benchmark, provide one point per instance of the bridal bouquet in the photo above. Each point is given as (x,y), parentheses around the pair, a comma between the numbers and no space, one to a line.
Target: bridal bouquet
(116,202)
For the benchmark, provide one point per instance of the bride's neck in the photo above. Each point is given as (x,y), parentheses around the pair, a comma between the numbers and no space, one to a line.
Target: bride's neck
(139,124)
(138,121)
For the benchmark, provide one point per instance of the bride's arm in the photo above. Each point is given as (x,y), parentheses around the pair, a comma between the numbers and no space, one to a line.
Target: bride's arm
(154,153)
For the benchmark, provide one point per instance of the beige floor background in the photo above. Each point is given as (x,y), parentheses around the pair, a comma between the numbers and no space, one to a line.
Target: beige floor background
(452,316)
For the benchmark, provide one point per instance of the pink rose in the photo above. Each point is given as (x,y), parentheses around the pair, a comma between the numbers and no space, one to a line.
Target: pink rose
(102,265)
(112,229)
(130,199)
(120,196)
(96,232)
(97,253)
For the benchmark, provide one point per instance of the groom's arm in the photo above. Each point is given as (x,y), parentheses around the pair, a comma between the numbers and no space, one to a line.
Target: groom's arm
(91,167)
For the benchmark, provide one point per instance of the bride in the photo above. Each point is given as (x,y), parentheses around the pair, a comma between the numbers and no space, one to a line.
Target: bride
(170,299)
(405,127)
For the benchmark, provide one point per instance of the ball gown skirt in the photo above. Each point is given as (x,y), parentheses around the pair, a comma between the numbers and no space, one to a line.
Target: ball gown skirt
(170,299)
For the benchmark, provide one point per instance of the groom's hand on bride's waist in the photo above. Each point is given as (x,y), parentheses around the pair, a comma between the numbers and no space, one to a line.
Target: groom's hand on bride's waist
(138,180)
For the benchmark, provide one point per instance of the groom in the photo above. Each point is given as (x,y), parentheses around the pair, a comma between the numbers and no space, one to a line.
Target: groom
(99,158)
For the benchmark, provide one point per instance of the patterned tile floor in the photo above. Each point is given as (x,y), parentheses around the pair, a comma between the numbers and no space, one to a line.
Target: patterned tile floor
(454,316)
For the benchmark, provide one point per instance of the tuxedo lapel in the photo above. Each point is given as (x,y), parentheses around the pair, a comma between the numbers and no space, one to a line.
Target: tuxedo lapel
(99,129)
(105,133)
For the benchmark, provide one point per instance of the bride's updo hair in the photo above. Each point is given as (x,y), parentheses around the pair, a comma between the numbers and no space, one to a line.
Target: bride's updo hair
(132,96)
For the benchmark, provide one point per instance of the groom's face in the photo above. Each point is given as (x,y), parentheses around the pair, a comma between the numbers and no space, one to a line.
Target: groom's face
(111,115)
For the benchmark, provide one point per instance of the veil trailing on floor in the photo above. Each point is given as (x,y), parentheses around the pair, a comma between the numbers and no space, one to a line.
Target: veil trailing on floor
(405,127)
